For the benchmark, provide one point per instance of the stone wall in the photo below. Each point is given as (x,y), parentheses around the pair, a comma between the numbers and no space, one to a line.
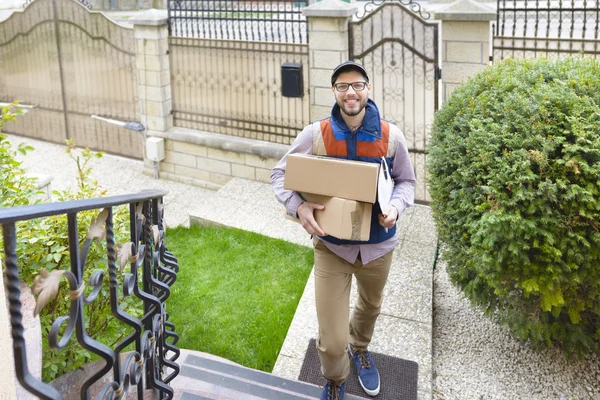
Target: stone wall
(211,160)
(465,43)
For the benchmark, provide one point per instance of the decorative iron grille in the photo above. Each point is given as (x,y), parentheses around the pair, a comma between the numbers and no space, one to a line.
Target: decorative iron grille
(263,21)
(153,269)
(528,29)
(399,49)
(233,87)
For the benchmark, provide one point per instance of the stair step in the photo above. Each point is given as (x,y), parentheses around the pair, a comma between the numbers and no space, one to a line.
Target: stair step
(204,377)
(190,396)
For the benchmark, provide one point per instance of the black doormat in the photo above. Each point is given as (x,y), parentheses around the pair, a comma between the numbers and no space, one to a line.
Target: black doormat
(398,376)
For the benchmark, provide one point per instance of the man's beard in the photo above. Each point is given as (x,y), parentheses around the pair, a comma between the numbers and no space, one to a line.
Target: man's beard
(352,113)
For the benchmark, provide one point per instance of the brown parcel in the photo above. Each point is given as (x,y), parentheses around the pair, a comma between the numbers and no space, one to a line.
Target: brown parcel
(327,176)
(341,218)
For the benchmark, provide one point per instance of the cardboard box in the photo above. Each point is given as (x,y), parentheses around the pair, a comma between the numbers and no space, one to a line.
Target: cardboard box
(342,218)
(327,176)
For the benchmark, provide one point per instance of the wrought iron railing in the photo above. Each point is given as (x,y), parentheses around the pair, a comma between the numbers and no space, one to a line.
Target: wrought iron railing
(153,269)
(548,28)
(262,21)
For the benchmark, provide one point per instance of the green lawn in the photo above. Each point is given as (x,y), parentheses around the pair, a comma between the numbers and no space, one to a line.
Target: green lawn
(236,292)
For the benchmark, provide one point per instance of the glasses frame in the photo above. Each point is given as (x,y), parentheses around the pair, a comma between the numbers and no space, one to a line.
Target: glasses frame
(351,84)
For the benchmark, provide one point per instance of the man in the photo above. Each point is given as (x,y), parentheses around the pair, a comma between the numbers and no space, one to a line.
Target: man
(354,131)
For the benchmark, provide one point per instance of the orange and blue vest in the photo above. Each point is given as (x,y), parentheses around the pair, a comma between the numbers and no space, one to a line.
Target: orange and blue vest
(374,139)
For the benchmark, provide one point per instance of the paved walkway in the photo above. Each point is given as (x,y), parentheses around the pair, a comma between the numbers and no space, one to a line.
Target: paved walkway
(405,327)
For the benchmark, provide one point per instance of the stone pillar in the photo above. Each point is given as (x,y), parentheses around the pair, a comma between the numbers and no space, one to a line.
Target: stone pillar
(7,373)
(328,47)
(152,61)
(465,41)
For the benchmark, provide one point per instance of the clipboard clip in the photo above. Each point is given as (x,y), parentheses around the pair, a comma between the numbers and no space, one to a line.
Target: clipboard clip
(385,168)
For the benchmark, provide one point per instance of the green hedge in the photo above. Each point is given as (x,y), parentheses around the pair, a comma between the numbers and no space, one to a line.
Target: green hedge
(514,170)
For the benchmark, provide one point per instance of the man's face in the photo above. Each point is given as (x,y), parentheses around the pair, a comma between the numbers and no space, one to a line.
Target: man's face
(352,101)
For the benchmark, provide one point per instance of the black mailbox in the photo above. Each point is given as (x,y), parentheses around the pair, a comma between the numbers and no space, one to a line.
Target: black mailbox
(291,80)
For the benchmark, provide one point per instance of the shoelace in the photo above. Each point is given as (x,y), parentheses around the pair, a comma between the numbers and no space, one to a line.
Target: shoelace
(364,360)
(333,392)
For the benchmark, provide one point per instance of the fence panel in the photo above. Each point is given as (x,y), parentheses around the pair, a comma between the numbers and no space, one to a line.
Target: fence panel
(546,28)
(234,88)
(30,71)
(70,63)
(100,77)
(270,21)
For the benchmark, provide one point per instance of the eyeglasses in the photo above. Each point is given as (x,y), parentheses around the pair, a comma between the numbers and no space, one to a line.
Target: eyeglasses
(357,86)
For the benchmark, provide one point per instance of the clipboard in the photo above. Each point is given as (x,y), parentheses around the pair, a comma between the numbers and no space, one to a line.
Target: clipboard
(385,186)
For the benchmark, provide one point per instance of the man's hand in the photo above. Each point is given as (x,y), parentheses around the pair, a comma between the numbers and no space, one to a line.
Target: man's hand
(306,214)
(388,220)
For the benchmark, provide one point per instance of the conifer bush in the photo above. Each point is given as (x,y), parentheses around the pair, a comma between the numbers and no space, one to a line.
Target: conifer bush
(514,170)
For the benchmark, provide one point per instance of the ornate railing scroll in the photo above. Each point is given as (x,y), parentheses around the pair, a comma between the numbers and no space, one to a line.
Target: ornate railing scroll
(372,5)
(152,364)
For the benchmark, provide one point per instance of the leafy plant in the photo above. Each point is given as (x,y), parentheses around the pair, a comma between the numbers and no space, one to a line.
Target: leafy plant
(514,170)
(44,243)
(52,253)
(17,189)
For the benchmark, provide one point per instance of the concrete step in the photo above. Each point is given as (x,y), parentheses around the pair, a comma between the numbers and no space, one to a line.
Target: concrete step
(204,376)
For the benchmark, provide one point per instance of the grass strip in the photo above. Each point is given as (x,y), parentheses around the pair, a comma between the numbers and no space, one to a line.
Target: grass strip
(236,292)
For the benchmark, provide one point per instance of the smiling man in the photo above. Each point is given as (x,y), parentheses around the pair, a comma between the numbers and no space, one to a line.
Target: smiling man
(354,131)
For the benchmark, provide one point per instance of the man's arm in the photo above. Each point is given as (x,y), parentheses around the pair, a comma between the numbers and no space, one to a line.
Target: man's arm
(294,204)
(290,199)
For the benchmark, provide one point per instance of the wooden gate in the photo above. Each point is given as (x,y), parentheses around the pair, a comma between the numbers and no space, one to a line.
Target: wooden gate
(70,63)
(399,49)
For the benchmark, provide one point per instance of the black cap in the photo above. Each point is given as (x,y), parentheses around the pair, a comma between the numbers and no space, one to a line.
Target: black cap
(348,66)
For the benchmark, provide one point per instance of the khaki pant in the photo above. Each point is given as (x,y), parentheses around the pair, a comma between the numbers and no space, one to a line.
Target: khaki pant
(333,280)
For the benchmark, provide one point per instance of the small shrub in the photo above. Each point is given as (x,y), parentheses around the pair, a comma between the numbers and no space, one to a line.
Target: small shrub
(515,184)
(17,189)
(44,243)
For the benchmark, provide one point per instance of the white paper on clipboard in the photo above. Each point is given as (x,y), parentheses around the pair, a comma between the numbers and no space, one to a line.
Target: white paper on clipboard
(385,186)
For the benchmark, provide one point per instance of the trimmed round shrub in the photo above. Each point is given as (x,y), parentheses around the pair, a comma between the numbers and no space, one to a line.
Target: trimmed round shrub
(514,170)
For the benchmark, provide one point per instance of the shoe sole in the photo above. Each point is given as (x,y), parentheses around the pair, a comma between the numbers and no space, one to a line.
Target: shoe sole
(373,392)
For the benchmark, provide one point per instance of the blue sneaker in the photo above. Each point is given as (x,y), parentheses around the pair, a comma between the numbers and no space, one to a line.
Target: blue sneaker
(331,391)
(368,376)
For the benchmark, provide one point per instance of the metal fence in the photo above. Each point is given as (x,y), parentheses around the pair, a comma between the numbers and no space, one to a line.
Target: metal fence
(529,29)
(265,21)
(70,63)
(151,271)
(233,87)
(399,47)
